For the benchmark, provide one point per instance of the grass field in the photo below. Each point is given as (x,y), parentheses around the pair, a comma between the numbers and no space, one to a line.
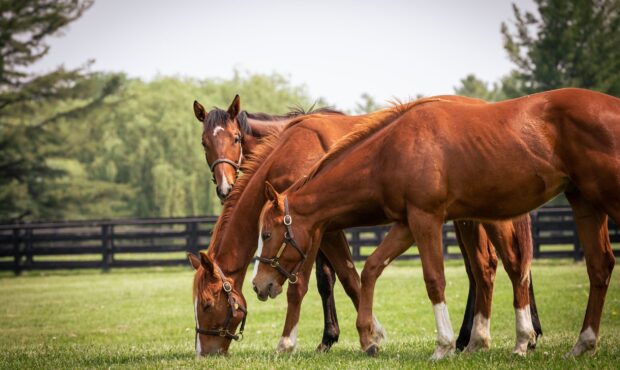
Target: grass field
(144,319)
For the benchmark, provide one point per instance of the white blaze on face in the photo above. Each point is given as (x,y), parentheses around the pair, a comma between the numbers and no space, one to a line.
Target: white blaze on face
(224,185)
(217,129)
(198,347)
(259,251)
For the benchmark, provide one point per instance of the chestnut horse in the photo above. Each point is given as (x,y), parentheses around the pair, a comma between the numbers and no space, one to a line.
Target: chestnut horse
(445,160)
(227,135)
(232,135)
(278,167)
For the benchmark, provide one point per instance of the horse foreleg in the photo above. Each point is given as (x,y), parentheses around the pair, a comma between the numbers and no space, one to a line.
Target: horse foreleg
(426,229)
(483,264)
(594,237)
(397,241)
(295,295)
(514,244)
(336,249)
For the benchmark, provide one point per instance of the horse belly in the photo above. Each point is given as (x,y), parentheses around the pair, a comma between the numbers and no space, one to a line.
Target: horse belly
(506,194)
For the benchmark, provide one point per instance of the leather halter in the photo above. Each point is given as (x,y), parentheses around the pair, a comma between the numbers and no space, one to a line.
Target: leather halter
(236,165)
(289,239)
(234,306)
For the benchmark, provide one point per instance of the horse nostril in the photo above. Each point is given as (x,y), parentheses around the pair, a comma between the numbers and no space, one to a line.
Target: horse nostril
(255,288)
(269,286)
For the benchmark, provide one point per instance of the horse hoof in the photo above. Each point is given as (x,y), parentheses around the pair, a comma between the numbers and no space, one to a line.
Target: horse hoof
(379,334)
(372,350)
(323,348)
(442,352)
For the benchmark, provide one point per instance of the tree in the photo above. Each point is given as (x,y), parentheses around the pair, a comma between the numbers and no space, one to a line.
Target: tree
(33,106)
(508,87)
(367,105)
(569,43)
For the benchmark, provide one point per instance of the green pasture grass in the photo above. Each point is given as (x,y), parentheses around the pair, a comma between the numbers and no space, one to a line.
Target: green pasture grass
(143,318)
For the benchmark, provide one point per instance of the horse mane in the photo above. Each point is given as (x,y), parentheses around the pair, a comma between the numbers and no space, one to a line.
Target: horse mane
(369,125)
(249,167)
(220,117)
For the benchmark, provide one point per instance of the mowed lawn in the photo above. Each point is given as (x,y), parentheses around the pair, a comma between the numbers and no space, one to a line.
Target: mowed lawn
(144,319)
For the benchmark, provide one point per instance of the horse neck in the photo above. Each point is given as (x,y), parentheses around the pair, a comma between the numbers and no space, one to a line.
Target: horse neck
(262,128)
(239,237)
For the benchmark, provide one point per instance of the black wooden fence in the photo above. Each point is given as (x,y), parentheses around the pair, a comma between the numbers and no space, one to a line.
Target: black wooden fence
(109,244)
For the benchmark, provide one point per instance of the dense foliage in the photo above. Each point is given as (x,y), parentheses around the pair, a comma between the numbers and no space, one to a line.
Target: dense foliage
(572,43)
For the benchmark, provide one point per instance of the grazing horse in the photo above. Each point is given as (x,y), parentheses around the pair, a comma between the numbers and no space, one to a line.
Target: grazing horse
(234,242)
(445,160)
(232,135)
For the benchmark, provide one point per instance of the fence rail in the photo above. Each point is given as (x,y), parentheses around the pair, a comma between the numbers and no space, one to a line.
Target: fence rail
(106,244)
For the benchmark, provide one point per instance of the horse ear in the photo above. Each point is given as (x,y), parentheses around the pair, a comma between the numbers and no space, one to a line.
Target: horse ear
(271,193)
(207,263)
(193,260)
(235,107)
(199,111)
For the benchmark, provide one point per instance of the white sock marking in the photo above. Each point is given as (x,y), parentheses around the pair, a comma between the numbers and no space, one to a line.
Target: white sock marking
(287,344)
(445,334)
(480,333)
(585,343)
(524,329)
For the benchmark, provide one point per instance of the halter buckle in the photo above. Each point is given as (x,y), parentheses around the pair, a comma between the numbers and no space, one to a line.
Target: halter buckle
(222,332)
(274,262)
(288,220)
(293,281)
(226,287)
(239,337)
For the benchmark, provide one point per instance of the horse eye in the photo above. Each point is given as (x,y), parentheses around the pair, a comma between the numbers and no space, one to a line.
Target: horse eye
(237,138)
(266,235)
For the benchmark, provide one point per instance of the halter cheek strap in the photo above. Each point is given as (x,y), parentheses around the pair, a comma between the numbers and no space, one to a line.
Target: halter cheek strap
(233,307)
(289,239)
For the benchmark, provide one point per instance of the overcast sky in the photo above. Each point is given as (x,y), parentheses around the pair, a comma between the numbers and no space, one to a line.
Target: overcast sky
(339,49)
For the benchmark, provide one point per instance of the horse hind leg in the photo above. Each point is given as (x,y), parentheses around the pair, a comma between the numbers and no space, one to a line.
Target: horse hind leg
(336,249)
(326,278)
(468,316)
(514,244)
(594,237)
(482,262)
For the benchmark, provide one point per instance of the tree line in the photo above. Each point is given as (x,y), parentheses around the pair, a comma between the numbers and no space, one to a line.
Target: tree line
(78,144)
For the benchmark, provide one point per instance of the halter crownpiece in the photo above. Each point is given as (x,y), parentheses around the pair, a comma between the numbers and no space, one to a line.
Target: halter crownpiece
(234,306)
(289,239)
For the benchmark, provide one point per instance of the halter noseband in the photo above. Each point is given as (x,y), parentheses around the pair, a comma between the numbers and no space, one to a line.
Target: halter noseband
(236,165)
(234,306)
(289,238)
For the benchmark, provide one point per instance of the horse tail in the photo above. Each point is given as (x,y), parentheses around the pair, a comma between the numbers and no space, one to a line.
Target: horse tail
(523,239)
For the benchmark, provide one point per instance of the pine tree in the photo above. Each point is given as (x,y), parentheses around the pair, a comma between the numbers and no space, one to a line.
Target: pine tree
(568,43)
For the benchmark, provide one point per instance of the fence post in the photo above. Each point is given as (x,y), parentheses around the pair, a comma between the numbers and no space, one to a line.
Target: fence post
(535,233)
(444,237)
(106,246)
(355,246)
(191,240)
(28,247)
(16,252)
(576,244)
